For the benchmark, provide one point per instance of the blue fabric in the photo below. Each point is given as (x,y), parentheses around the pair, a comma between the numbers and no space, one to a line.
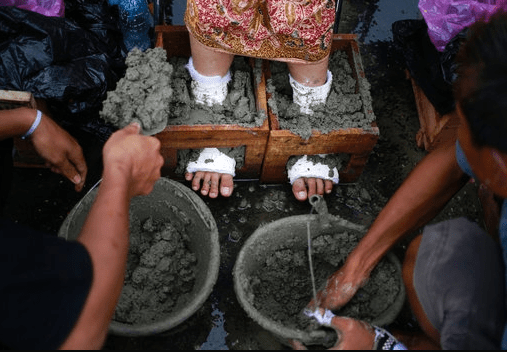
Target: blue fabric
(44,286)
(502,227)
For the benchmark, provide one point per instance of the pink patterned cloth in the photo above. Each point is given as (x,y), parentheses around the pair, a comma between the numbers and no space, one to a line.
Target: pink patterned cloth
(285,30)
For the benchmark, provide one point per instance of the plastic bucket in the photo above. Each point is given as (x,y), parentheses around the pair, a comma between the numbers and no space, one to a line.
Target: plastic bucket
(169,201)
(292,232)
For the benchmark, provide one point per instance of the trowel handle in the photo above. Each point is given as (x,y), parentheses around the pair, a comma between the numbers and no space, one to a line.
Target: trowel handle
(318,202)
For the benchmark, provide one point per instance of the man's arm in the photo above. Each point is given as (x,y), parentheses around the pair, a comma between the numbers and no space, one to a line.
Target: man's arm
(132,164)
(424,193)
(59,149)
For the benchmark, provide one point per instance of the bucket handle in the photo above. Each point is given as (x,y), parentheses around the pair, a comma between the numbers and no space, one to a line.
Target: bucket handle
(319,204)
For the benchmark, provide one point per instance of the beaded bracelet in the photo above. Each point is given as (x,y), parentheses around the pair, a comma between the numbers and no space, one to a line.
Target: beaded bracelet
(385,341)
(34,126)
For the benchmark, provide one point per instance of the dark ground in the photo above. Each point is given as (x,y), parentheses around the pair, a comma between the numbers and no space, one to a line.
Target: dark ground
(43,200)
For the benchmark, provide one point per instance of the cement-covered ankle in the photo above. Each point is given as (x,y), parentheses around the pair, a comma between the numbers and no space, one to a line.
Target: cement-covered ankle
(213,160)
(208,90)
(306,97)
(307,168)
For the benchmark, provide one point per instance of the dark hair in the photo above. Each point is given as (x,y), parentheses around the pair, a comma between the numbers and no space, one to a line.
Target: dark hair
(481,85)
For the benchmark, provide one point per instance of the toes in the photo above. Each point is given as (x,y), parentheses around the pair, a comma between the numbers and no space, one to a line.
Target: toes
(226,185)
(206,183)
(299,189)
(196,181)
(214,180)
(312,186)
(328,186)
(320,186)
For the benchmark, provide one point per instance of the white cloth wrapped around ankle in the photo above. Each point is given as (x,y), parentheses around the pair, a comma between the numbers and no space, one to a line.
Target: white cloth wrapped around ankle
(213,160)
(208,90)
(306,168)
(306,97)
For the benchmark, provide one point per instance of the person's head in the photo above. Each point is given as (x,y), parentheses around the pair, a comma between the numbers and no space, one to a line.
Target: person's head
(480,91)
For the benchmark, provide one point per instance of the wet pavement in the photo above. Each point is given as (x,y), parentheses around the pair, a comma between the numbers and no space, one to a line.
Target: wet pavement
(42,199)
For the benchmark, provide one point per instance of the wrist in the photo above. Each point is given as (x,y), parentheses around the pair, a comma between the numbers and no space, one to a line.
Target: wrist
(33,126)
(385,341)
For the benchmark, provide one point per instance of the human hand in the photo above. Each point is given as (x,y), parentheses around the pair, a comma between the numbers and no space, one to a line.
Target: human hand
(62,153)
(352,334)
(339,290)
(132,158)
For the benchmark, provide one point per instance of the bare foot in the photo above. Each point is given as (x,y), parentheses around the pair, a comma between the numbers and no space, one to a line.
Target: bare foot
(211,182)
(303,188)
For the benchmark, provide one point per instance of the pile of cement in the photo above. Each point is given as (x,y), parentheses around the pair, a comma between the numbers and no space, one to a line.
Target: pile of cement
(156,93)
(347,105)
(239,107)
(144,94)
(160,270)
(282,288)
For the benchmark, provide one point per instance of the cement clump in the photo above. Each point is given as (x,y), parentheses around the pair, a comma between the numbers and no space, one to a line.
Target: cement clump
(160,271)
(144,94)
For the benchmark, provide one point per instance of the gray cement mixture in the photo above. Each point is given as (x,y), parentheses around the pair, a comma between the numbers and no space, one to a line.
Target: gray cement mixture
(348,104)
(160,271)
(143,95)
(156,93)
(282,288)
(239,107)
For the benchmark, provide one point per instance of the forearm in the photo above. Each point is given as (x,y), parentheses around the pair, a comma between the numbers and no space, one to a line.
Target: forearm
(105,234)
(419,199)
(16,122)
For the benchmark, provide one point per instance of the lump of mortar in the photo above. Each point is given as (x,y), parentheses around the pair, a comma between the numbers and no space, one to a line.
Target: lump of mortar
(239,107)
(281,287)
(144,94)
(160,271)
(345,106)
(187,155)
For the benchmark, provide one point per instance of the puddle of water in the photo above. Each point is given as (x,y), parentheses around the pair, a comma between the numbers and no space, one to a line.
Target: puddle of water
(217,335)
(378,28)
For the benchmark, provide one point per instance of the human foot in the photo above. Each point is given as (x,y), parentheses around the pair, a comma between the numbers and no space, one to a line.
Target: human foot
(213,170)
(305,187)
(211,182)
(314,174)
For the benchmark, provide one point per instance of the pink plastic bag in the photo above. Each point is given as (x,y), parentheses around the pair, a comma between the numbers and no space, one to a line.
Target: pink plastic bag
(50,8)
(446,18)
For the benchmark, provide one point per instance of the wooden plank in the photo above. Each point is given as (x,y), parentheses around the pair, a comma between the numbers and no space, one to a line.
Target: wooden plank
(435,128)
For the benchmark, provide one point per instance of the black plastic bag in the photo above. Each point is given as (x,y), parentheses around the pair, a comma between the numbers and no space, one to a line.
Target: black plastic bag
(69,62)
(433,71)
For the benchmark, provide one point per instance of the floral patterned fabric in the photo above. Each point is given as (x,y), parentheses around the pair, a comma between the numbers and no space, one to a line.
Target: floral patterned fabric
(285,30)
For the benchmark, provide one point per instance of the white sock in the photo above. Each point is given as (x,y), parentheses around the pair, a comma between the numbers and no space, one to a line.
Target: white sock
(307,168)
(208,90)
(306,97)
(213,160)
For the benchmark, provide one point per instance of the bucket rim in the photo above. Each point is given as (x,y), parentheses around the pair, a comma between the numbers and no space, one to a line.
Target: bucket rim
(146,329)
(317,337)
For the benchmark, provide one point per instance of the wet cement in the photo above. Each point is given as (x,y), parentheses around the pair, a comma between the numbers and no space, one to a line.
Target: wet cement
(144,94)
(281,288)
(42,199)
(348,104)
(238,108)
(160,271)
(156,92)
